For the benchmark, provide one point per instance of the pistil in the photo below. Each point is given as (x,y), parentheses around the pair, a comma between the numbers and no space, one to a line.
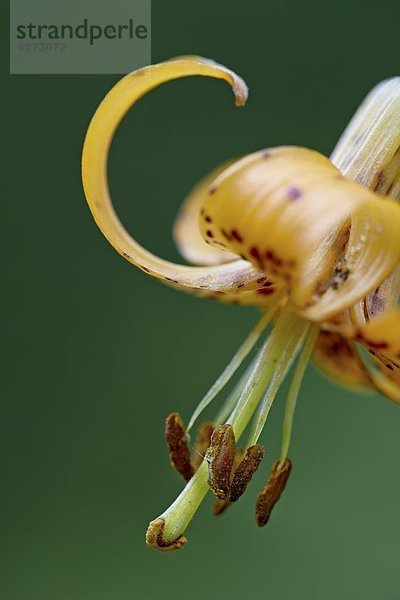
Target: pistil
(284,340)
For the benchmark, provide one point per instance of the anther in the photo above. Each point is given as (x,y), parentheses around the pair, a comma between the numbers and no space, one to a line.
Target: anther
(220,506)
(178,448)
(203,441)
(155,537)
(271,493)
(220,457)
(245,471)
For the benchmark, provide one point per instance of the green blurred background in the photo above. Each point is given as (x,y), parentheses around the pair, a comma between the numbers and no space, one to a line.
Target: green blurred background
(97,353)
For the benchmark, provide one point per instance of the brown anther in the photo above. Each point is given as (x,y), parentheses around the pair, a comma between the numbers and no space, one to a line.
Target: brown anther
(203,441)
(271,493)
(245,471)
(219,507)
(220,457)
(178,448)
(155,537)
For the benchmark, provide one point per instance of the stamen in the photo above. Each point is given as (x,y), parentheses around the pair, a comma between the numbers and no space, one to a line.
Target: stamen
(294,389)
(220,457)
(245,471)
(220,506)
(176,438)
(286,359)
(155,538)
(281,342)
(235,362)
(271,493)
(203,441)
(179,514)
(234,396)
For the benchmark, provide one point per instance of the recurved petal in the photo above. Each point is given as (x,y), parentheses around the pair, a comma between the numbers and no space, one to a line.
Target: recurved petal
(382,335)
(371,253)
(366,150)
(94,173)
(191,244)
(338,358)
(379,336)
(386,380)
(290,212)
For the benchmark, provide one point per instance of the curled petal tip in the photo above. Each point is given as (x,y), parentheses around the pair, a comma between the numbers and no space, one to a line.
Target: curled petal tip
(239,87)
(132,87)
(155,537)
(240,90)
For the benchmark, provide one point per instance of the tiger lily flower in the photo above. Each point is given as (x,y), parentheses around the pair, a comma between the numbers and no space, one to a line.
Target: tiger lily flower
(313,242)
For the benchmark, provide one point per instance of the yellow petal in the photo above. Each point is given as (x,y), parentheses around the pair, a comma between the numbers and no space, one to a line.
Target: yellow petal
(186,232)
(94,173)
(264,295)
(338,358)
(376,329)
(385,375)
(384,298)
(387,383)
(369,152)
(365,151)
(383,335)
(290,212)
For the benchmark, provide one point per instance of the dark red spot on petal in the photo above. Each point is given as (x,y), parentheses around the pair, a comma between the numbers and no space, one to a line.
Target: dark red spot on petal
(265,291)
(236,235)
(254,252)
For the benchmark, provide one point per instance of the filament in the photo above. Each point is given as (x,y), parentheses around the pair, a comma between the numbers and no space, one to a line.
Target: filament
(289,353)
(294,389)
(235,362)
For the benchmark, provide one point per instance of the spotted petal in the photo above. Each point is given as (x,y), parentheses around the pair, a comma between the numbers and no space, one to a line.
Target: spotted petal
(383,335)
(338,358)
(101,130)
(290,212)
(187,236)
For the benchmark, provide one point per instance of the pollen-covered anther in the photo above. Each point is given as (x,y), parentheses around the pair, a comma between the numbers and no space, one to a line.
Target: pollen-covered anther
(155,537)
(271,493)
(179,453)
(220,506)
(220,457)
(245,471)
